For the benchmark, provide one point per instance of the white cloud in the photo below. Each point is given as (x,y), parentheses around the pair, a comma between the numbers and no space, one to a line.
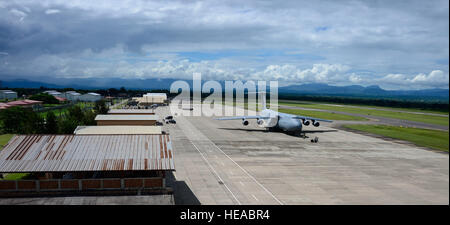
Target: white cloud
(52,11)
(18,13)
(435,79)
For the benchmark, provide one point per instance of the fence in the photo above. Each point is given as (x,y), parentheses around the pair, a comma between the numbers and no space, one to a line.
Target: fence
(46,109)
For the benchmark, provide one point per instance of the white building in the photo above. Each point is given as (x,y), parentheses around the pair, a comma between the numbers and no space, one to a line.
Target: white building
(8,94)
(72,96)
(90,97)
(152,98)
(55,93)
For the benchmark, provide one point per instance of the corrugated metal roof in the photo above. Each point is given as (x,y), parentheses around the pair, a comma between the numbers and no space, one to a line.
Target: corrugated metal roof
(64,153)
(118,130)
(156,94)
(134,111)
(126,117)
(23,102)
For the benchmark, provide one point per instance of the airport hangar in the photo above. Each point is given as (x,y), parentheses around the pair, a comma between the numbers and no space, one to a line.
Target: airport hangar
(141,120)
(150,99)
(122,158)
(131,112)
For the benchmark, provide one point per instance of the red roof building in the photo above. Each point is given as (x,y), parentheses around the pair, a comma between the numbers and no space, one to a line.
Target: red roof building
(23,103)
(60,99)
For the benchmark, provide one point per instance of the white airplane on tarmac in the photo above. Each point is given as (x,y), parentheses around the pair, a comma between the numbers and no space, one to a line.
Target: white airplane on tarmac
(276,121)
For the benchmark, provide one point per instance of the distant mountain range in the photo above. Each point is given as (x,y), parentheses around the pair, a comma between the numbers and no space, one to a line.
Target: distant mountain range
(369,91)
(303,89)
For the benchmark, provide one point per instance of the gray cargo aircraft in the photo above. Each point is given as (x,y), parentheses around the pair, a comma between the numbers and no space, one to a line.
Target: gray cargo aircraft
(275,121)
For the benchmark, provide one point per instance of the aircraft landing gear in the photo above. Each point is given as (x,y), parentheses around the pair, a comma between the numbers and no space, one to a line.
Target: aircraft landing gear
(301,134)
(270,129)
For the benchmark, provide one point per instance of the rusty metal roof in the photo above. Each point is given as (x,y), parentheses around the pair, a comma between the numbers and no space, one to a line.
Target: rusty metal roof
(131,111)
(63,153)
(118,130)
(126,117)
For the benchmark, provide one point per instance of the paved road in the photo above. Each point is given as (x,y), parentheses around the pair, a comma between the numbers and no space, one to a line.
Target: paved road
(374,119)
(390,110)
(372,108)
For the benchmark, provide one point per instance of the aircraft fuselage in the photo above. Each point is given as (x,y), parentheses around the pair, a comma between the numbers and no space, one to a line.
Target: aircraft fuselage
(283,122)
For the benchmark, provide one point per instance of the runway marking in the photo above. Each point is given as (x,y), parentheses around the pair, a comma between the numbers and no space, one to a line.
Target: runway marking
(245,171)
(255,197)
(220,179)
(241,183)
(248,174)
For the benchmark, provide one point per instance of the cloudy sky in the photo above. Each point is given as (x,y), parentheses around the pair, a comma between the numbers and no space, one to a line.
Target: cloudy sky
(394,44)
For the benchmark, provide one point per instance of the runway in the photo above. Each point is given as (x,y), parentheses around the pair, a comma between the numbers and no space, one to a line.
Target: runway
(375,119)
(223,162)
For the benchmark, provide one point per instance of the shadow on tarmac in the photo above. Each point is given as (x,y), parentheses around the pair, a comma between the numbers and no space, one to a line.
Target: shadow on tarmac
(182,194)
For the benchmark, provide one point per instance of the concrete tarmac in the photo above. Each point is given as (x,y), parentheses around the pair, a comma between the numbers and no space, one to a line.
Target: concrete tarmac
(223,162)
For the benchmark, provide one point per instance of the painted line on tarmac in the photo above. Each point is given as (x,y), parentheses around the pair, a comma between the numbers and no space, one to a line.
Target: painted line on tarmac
(214,171)
(245,171)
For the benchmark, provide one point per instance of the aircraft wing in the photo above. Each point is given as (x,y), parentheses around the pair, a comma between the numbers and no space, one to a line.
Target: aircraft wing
(309,118)
(243,117)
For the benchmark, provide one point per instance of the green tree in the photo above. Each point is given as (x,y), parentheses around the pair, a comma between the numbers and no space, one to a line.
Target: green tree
(35,124)
(18,120)
(89,118)
(51,123)
(100,107)
(44,97)
(67,125)
(12,119)
(75,113)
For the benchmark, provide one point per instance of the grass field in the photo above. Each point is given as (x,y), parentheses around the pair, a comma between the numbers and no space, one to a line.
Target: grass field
(15,176)
(4,138)
(422,137)
(321,115)
(310,113)
(439,120)
(366,106)
(60,112)
(57,112)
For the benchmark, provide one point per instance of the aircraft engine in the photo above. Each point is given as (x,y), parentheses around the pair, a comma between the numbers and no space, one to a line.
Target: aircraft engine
(260,122)
(316,124)
(305,122)
(245,122)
